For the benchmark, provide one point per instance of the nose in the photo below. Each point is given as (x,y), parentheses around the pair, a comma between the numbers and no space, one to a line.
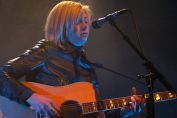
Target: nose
(84,26)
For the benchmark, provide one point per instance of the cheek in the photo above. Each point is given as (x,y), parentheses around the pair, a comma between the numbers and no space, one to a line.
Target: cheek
(77,30)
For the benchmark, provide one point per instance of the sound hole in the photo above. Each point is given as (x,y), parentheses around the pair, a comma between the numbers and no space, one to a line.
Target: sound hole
(71,109)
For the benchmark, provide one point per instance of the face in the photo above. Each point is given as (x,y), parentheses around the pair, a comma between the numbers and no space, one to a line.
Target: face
(78,35)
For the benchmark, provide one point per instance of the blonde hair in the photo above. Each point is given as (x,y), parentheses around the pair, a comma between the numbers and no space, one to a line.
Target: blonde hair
(61,18)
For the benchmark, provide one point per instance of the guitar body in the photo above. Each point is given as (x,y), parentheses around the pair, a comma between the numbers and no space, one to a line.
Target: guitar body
(69,98)
(81,92)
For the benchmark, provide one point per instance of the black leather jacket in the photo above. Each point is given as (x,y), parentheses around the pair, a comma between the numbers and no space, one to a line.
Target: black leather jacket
(44,63)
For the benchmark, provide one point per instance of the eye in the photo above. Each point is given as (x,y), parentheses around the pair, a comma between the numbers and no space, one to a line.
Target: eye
(82,20)
(86,20)
(78,21)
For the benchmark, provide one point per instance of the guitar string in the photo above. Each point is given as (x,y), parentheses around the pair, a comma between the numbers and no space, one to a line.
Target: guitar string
(97,104)
(104,101)
(124,99)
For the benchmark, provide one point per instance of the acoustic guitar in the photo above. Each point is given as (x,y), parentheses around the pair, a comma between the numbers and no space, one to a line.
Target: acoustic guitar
(79,99)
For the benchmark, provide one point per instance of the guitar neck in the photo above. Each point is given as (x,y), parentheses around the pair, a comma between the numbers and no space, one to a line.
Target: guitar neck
(115,103)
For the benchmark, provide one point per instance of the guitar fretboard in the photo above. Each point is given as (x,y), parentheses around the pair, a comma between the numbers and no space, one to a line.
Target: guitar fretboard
(115,103)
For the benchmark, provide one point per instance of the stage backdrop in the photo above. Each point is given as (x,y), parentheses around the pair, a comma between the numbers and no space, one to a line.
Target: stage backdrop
(22,25)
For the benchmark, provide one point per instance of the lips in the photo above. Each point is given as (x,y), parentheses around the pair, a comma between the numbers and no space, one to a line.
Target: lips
(85,34)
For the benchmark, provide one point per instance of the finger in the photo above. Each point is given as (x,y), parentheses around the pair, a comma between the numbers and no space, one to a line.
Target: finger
(133,105)
(52,110)
(133,90)
(46,115)
(43,113)
(133,98)
(136,98)
(55,106)
(43,110)
(143,100)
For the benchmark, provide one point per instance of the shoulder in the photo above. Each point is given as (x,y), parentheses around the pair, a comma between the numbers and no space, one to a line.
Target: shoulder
(42,45)
(39,47)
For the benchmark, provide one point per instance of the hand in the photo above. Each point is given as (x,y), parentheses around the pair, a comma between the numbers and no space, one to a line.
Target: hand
(136,100)
(135,106)
(45,106)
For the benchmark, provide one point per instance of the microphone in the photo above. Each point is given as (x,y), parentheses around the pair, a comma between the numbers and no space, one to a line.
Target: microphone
(110,17)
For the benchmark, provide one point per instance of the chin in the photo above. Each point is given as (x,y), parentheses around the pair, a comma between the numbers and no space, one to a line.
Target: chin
(80,43)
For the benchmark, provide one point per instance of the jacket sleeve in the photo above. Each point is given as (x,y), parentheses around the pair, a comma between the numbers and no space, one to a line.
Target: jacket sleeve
(10,87)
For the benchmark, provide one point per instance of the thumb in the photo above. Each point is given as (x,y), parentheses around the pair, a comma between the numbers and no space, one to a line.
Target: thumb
(133,90)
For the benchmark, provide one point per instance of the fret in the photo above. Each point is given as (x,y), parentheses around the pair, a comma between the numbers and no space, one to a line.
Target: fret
(121,102)
(90,107)
(162,96)
(111,104)
(115,103)
(124,102)
(94,106)
(107,104)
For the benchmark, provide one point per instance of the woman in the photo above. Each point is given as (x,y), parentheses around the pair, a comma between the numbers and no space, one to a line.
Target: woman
(57,60)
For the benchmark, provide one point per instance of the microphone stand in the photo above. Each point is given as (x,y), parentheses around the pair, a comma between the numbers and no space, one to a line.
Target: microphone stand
(153,73)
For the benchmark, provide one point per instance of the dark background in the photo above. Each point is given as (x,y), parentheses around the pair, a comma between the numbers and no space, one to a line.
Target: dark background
(22,25)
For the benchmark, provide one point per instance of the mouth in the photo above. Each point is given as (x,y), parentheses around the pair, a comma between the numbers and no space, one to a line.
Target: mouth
(84,34)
